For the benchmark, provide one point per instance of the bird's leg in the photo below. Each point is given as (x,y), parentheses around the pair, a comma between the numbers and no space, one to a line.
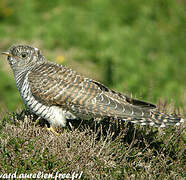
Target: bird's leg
(53,130)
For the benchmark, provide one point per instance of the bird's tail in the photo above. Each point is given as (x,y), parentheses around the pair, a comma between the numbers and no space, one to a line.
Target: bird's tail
(157,119)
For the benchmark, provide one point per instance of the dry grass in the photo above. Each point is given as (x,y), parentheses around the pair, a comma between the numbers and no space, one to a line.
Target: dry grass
(102,150)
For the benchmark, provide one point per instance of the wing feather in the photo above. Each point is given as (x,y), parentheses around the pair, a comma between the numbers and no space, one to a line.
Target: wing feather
(57,85)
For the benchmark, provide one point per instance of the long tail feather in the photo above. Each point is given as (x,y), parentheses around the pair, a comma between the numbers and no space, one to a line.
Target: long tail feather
(156,119)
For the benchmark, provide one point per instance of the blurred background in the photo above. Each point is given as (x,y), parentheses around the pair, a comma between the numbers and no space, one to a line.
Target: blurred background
(138,48)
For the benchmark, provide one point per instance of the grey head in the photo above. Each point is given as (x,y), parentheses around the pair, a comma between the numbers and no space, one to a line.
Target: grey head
(23,57)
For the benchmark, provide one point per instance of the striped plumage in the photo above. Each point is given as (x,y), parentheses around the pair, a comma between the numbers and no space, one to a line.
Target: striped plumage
(55,93)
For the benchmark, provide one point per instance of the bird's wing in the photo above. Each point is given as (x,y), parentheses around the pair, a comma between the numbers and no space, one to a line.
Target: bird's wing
(57,85)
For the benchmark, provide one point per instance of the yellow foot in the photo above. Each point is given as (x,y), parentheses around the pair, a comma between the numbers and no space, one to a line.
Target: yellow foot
(52,129)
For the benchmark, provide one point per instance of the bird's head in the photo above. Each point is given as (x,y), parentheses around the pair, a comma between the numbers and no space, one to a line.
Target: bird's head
(22,57)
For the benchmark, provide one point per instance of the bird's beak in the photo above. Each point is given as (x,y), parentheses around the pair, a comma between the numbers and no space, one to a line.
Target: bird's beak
(6,53)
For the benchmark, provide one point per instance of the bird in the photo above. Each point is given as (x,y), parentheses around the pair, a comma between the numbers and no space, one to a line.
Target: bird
(56,93)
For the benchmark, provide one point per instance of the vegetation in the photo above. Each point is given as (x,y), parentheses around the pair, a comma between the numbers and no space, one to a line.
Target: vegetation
(132,47)
(99,150)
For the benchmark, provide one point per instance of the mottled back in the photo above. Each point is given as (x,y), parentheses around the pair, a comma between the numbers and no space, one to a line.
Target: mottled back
(57,85)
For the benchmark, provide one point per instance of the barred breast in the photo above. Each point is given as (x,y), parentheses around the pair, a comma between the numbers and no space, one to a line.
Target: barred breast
(54,114)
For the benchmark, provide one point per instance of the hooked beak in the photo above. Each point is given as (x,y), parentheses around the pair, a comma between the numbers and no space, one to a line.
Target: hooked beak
(6,53)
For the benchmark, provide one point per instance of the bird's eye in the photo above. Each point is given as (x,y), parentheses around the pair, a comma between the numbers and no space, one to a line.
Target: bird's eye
(24,55)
